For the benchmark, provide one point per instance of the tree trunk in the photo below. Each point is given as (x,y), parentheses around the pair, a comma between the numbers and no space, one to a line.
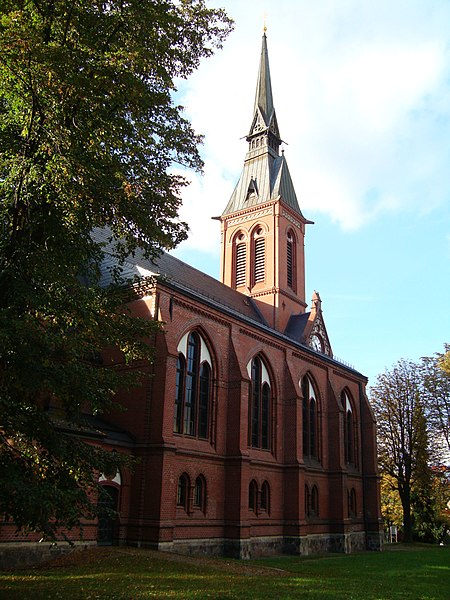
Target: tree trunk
(407,520)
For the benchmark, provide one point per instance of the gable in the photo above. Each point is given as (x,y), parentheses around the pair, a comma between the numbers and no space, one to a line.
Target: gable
(318,336)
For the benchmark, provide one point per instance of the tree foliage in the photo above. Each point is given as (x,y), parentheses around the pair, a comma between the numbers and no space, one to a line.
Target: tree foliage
(436,379)
(88,131)
(402,432)
(444,360)
(411,406)
(391,506)
(431,517)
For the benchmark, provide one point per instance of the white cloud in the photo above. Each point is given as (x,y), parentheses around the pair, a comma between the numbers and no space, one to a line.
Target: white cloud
(361,92)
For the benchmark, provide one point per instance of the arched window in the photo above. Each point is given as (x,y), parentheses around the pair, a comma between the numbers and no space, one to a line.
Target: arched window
(203,404)
(259,256)
(191,384)
(253,495)
(352,503)
(240,260)
(200,493)
(193,387)
(179,395)
(312,427)
(265,497)
(309,419)
(314,502)
(311,501)
(290,260)
(349,430)
(259,405)
(183,491)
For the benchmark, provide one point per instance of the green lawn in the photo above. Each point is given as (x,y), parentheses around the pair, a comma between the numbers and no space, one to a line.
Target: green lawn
(416,573)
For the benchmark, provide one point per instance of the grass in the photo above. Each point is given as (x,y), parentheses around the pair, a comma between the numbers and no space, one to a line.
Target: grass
(416,573)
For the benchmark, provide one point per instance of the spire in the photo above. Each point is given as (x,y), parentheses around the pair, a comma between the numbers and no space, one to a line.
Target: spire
(263,98)
(264,119)
(265,176)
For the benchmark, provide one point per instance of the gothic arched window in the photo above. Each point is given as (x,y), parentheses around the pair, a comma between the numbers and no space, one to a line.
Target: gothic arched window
(193,387)
(200,493)
(349,430)
(309,419)
(240,260)
(311,501)
(179,394)
(259,405)
(183,491)
(253,495)
(259,256)
(351,503)
(314,501)
(290,260)
(265,497)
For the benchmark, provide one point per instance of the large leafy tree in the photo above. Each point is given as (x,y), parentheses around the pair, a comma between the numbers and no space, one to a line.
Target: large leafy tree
(403,442)
(436,380)
(88,133)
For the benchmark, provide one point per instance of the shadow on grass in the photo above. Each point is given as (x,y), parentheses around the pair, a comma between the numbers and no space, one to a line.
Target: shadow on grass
(413,573)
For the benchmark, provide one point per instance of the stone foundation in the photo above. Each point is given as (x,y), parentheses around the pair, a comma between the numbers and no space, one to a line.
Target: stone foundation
(26,554)
(270,546)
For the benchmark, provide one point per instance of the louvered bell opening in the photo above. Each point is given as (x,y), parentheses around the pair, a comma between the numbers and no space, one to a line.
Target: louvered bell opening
(240,264)
(289,264)
(259,260)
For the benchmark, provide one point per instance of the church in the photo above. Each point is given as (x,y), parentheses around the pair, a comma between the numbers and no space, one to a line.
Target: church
(252,439)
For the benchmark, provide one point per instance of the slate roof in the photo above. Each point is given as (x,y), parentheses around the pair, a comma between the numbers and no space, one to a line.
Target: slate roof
(296,326)
(263,97)
(179,275)
(270,176)
(110,433)
(93,427)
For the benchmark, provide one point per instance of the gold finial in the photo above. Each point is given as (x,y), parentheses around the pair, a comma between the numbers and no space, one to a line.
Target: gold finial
(265,26)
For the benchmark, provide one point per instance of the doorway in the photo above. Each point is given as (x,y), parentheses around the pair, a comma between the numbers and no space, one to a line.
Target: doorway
(108,503)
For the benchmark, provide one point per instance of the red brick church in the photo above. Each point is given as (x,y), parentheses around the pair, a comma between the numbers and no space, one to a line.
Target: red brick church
(251,437)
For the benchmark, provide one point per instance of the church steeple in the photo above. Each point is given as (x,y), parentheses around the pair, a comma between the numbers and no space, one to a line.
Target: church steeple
(265,169)
(262,225)
(264,118)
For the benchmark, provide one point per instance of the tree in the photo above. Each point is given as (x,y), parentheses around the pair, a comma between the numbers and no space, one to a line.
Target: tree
(437,397)
(403,447)
(391,507)
(88,133)
(444,361)
(429,501)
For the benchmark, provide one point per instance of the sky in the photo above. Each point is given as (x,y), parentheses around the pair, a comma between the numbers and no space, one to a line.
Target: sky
(362,96)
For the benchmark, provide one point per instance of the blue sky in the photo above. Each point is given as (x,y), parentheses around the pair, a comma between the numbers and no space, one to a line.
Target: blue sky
(362,96)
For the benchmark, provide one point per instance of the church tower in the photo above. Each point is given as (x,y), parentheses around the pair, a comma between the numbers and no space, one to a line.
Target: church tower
(263,228)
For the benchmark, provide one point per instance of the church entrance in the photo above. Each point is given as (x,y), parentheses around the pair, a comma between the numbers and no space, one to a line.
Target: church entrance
(107,521)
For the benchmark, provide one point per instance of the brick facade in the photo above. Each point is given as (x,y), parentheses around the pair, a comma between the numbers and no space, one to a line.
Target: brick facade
(227,462)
